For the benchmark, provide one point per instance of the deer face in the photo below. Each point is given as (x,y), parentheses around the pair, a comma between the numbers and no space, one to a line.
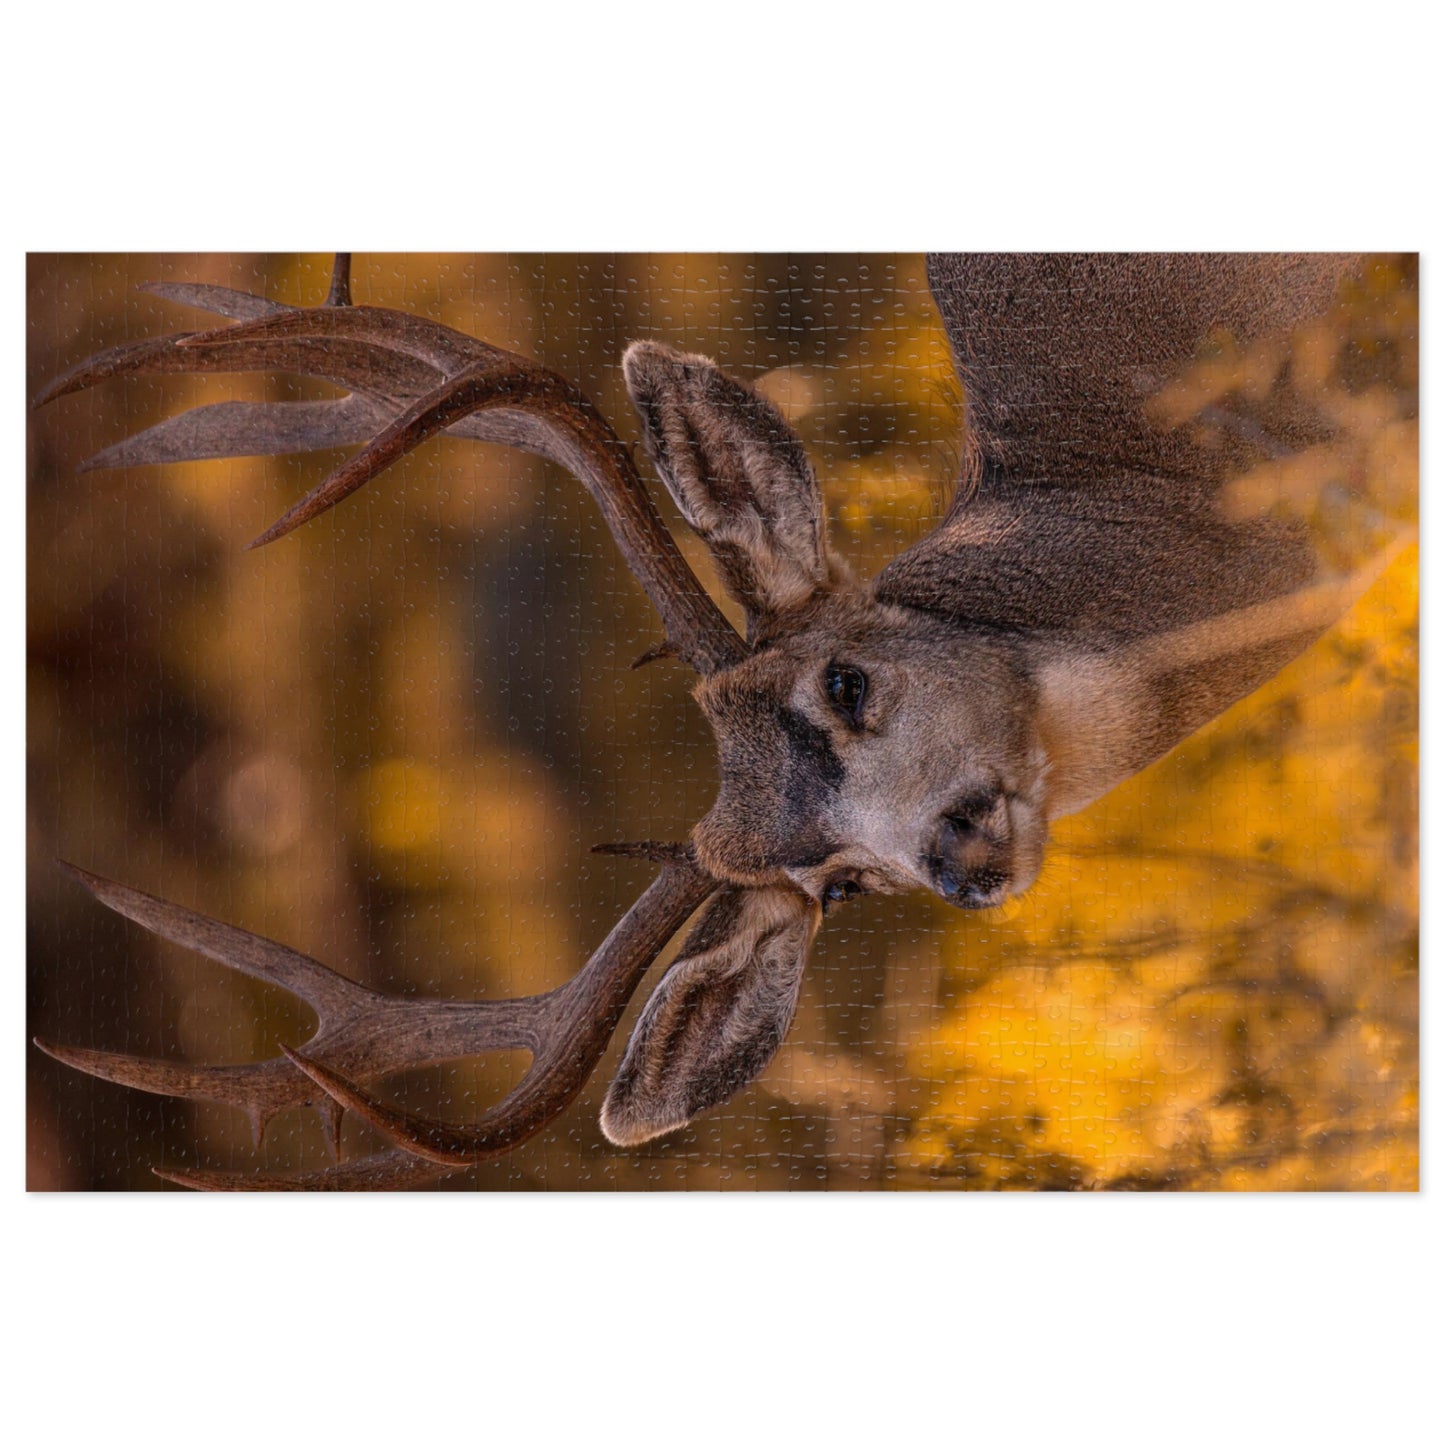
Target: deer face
(863,747)
(863,753)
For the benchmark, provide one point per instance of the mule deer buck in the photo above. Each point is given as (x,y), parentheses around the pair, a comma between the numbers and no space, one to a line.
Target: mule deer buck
(1082,607)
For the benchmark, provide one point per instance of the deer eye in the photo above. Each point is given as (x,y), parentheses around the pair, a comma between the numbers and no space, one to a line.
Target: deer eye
(846,689)
(840,890)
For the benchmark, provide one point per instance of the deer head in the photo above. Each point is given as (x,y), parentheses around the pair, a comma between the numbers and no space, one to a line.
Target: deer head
(1081,608)
(865,746)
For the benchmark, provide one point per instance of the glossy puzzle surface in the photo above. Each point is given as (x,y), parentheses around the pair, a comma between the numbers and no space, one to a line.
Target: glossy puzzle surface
(391,740)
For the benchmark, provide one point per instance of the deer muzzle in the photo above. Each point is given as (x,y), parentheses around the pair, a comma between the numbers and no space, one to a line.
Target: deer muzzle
(971,861)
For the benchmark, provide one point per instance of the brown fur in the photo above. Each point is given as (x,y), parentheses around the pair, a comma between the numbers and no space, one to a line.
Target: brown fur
(1081,609)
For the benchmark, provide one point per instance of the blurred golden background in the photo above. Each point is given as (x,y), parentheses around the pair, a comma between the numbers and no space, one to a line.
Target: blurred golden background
(390,740)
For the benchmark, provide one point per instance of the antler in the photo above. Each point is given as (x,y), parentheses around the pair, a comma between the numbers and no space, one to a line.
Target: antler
(408,378)
(366,1035)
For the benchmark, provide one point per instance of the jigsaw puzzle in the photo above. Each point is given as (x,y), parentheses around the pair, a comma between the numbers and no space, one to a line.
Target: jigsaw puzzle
(960,734)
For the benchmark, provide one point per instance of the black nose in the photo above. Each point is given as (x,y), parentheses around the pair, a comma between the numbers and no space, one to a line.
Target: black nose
(969,863)
(979,889)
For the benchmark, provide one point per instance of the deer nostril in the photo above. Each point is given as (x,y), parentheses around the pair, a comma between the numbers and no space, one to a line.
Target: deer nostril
(971,888)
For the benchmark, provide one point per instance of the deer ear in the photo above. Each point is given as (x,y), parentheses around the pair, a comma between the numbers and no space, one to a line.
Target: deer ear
(738,473)
(718,1016)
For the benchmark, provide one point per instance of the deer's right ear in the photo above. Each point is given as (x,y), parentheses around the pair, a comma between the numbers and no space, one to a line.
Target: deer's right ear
(738,473)
(719,1015)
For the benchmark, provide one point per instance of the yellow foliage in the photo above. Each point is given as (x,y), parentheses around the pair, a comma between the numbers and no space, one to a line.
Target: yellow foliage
(1213,983)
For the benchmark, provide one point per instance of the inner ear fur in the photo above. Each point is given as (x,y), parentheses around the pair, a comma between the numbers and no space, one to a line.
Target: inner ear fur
(738,473)
(719,1015)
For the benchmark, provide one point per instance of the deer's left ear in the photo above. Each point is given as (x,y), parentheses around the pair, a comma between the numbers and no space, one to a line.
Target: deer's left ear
(738,473)
(719,1015)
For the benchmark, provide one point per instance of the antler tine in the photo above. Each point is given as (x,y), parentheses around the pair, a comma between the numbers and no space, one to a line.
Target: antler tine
(364,1035)
(248,429)
(262,1090)
(331,995)
(219,300)
(340,292)
(355,365)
